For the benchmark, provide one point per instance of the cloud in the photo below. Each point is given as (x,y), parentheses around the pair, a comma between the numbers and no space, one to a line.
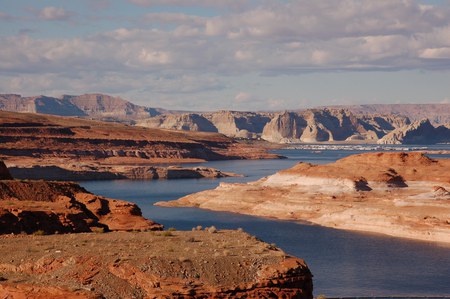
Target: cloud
(234,4)
(5,16)
(51,13)
(178,53)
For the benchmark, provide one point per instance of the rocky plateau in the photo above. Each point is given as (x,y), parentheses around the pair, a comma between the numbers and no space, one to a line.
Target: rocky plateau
(37,144)
(398,194)
(42,257)
(351,124)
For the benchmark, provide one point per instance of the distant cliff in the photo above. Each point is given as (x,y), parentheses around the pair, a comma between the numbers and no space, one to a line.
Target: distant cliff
(419,132)
(230,123)
(97,106)
(438,114)
(318,125)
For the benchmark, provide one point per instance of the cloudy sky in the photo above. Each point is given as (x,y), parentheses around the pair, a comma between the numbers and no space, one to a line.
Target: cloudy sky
(229,54)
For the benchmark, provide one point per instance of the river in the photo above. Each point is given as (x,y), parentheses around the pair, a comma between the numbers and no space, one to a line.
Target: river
(343,263)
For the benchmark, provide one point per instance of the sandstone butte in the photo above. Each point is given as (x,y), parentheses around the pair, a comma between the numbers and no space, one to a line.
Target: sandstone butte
(28,139)
(133,261)
(398,194)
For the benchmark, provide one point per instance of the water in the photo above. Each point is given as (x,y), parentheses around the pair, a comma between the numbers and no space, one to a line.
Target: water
(343,263)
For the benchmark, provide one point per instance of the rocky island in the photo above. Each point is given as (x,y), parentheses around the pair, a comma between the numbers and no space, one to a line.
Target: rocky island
(398,194)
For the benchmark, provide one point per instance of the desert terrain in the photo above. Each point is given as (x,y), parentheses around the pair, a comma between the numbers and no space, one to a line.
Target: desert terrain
(41,146)
(197,264)
(58,240)
(398,194)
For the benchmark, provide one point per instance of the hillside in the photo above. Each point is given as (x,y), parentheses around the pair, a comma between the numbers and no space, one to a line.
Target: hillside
(45,139)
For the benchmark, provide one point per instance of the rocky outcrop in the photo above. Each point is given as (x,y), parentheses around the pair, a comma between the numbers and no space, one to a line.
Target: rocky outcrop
(61,207)
(96,172)
(71,140)
(185,122)
(194,264)
(419,132)
(237,124)
(438,114)
(398,194)
(318,125)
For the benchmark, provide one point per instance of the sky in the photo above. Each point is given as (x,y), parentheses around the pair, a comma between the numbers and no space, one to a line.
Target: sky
(229,54)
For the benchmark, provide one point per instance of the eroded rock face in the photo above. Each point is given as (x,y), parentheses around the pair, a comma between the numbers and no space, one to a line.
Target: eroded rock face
(68,140)
(230,123)
(419,132)
(51,207)
(318,125)
(194,264)
(438,114)
(399,194)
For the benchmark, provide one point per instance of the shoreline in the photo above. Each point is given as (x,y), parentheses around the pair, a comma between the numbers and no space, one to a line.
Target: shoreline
(392,194)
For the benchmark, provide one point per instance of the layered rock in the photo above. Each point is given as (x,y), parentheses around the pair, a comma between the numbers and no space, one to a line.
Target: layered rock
(230,123)
(320,125)
(197,264)
(419,132)
(399,194)
(63,140)
(185,122)
(95,172)
(438,114)
(51,207)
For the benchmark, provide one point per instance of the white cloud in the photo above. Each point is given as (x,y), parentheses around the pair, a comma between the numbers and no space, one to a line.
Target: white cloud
(51,13)
(172,53)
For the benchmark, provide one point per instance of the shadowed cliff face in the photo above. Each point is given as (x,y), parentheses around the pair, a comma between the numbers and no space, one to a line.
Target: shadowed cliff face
(419,132)
(318,125)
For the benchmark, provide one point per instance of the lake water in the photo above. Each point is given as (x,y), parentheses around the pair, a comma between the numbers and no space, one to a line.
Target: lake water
(343,263)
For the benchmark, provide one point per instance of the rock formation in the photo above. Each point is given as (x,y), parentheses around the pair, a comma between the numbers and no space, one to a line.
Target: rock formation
(438,114)
(419,132)
(230,123)
(185,122)
(77,172)
(36,139)
(197,264)
(319,125)
(399,194)
(51,207)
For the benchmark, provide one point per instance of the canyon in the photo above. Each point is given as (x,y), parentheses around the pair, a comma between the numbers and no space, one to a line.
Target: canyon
(38,144)
(59,240)
(398,194)
(351,124)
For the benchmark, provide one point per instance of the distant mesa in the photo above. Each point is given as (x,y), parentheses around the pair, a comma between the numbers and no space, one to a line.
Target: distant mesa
(419,132)
(353,123)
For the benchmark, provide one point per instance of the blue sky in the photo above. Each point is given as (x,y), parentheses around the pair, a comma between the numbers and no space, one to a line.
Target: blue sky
(235,54)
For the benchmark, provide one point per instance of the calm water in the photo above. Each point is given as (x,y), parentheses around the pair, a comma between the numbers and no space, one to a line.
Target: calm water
(343,263)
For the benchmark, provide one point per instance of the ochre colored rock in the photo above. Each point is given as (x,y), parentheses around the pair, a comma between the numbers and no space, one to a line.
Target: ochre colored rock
(61,207)
(193,264)
(398,194)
